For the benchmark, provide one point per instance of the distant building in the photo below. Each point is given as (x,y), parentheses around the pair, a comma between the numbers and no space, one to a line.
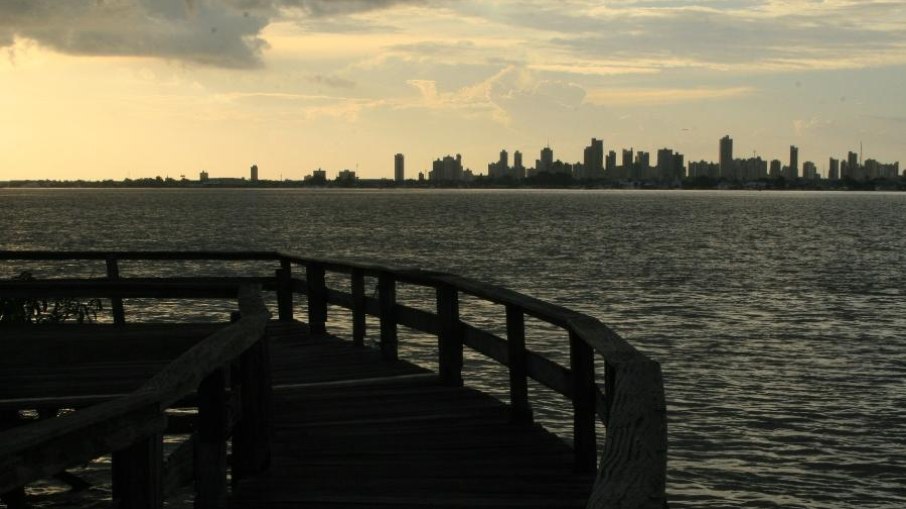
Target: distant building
(776,169)
(346,176)
(610,163)
(809,171)
(399,172)
(254,173)
(448,169)
(833,169)
(704,169)
(794,162)
(203,176)
(593,161)
(518,168)
(546,163)
(726,158)
(318,176)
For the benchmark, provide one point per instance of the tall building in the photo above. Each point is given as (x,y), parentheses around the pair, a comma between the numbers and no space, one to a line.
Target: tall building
(546,163)
(664,164)
(794,161)
(593,162)
(447,169)
(833,169)
(776,169)
(518,168)
(726,157)
(610,162)
(399,168)
(203,176)
(254,173)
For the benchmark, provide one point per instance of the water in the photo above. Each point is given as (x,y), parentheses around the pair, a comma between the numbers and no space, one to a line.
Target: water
(779,318)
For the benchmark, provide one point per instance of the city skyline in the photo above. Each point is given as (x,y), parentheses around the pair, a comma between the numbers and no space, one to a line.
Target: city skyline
(134,88)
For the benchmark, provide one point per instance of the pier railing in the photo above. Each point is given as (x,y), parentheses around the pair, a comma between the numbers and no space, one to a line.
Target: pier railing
(131,427)
(628,399)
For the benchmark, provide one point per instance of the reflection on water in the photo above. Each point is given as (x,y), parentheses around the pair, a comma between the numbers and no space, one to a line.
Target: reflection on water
(779,318)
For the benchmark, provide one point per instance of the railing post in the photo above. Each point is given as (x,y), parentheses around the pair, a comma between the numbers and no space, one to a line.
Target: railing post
(138,473)
(515,335)
(358,307)
(387,301)
(582,367)
(252,434)
(116,303)
(285,291)
(449,337)
(317,298)
(210,445)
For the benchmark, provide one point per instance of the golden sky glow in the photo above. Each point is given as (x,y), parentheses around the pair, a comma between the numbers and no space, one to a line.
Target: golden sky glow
(139,88)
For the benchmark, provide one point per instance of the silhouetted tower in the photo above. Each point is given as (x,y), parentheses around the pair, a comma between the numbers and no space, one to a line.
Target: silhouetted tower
(547,159)
(726,157)
(504,160)
(254,173)
(399,170)
(593,163)
(794,161)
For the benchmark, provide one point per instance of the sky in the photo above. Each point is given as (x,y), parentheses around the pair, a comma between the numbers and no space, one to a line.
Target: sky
(113,89)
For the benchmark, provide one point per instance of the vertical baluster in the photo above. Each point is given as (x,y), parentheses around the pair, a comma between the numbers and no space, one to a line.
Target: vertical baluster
(210,445)
(317,298)
(285,291)
(137,474)
(358,307)
(116,303)
(582,366)
(387,299)
(449,337)
(252,434)
(515,334)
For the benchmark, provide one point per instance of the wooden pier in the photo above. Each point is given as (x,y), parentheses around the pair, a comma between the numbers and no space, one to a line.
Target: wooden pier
(289,415)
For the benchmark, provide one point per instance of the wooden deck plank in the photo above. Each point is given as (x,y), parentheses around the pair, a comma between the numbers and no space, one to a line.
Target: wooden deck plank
(351,429)
(413,443)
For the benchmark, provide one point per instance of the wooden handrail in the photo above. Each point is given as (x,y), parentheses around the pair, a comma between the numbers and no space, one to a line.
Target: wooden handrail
(632,468)
(130,426)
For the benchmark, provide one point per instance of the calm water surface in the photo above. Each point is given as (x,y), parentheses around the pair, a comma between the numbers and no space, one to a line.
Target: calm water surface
(779,318)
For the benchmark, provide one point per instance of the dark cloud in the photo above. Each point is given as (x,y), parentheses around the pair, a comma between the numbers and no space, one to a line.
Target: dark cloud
(223,33)
(201,31)
(330,8)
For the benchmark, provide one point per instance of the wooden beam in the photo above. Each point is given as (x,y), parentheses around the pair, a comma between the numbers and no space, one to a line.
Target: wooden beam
(515,336)
(449,336)
(387,302)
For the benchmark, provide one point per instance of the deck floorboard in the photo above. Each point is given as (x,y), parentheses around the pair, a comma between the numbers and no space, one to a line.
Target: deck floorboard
(350,429)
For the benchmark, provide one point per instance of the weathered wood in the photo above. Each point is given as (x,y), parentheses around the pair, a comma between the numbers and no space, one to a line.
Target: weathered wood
(169,288)
(417,319)
(252,433)
(186,372)
(285,292)
(116,303)
(387,300)
(137,474)
(449,336)
(357,281)
(485,343)
(317,298)
(634,464)
(515,336)
(210,445)
(582,367)
(179,467)
(549,373)
(46,447)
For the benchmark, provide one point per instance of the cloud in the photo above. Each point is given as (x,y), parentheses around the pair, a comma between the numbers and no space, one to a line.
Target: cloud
(222,33)
(331,81)
(658,96)
(201,31)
